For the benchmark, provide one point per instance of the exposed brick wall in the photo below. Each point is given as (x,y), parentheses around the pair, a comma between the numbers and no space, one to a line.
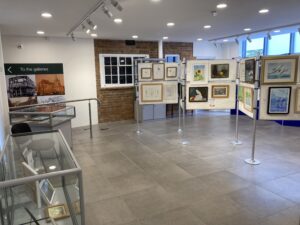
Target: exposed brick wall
(118,103)
(184,49)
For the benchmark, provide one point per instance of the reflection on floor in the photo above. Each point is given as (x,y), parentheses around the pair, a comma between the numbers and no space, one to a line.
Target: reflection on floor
(152,179)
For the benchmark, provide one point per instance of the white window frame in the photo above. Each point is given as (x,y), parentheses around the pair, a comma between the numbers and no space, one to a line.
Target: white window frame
(102,69)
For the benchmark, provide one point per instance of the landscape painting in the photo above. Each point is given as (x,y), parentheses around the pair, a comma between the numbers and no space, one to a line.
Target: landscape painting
(248,99)
(198,94)
(219,71)
(220,91)
(279,100)
(241,93)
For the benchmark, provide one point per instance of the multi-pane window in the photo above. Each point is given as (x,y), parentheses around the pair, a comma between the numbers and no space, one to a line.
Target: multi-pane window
(117,70)
(279,44)
(255,47)
(297,42)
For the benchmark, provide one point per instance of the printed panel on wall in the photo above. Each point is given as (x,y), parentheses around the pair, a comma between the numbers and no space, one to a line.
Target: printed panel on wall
(28,83)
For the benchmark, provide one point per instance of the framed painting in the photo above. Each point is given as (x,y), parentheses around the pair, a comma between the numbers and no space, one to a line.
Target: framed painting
(250,65)
(198,94)
(199,73)
(279,100)
(220,91)
(57,212)
(152,92)
(171,72)
(171,91)
(241,93)
(281,69)
(158,70)
(248,99)
(146,73)
(219,71)
(297,100)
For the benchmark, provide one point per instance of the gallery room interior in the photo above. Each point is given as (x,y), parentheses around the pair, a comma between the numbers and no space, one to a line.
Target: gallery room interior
(149,112)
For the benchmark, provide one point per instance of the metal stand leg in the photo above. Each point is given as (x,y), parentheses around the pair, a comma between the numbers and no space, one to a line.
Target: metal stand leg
(183,140)
(237,141)
(90,115)
(138,130)
(179,111)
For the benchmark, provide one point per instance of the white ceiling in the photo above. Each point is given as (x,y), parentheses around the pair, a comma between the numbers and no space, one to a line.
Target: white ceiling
(147,19)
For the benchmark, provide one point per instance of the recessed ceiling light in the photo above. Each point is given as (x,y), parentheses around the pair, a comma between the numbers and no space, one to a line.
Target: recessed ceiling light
(40,32)
(207,27)
(135,37)
(171,24)
(199,39)
(165,38)
(155,0)
(276,31)
(247,29)
(264,11)
(94,35)
(222,6)
(225,40)
(52,167)
(118,20)
(46,15)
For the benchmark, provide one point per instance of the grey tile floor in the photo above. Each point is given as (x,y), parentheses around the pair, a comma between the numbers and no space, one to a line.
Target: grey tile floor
(152,179)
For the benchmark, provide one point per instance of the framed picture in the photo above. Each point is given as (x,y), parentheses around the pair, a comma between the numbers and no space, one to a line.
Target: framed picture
(219,71)
(220,91)
(248,99)
(297,100)
(250,65)
(76,206)
(47,191)
(242,72)
(171,91)
(146,73)
(158,71)
(57,212)
(171,72)
(279,100)
(199,73)
(152,92)
(198,94)
(241,93)
(281,69)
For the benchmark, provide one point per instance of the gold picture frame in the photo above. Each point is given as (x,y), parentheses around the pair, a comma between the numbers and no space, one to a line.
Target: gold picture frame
(250,92)
(152,92)
(146,71)
(297,100)
(220,95)
(171,70)
(57,212)
(281,69)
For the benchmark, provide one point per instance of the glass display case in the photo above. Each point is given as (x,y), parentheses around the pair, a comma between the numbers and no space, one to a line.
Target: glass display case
(40,181)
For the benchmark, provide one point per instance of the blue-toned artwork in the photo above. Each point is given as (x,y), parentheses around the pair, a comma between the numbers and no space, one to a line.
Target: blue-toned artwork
(280,70)
(279,100)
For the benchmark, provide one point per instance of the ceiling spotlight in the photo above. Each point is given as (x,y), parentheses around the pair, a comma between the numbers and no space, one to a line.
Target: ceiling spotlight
(214,13)
(276,31)
(247,29)
(52,167)
(155,0)
(40,32)
(269,36)
(237,40)
(264,11)
(94,35)
(116,4)
(73,37)
(46,15)
(249,39)
(88,31)
(222,6)
(83,27)
(207,27)
(165,38)
(171,24)
(107,12)
(118,20)
(91,24)
(199,39)
(135,37)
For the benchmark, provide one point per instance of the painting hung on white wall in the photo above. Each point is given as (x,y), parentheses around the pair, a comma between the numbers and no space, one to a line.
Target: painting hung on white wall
(280,69)
(198,94)
(171,72)
(219,71)
(250,71)
(248,99)
(152,92)
(199,73)
(146,73)
(279,100)
(220,91)
(171,91)
(158,70)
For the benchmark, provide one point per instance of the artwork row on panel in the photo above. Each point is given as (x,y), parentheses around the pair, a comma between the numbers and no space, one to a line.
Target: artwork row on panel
(158,93)
(157,71)
(205,71)
(211,96)
(281,102)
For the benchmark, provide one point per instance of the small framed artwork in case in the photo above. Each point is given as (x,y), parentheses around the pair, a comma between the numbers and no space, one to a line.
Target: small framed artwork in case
(57,212)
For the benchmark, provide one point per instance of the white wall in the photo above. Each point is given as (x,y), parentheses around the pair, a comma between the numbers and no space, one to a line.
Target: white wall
(4,119)
(78,61)
(207,50)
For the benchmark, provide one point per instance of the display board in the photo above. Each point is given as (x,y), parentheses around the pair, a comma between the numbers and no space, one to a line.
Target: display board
(280,88)
(211,84)
(158,83)
(34,83)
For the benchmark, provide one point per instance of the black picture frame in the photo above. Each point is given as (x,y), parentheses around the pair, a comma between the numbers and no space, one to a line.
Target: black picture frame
(280,101)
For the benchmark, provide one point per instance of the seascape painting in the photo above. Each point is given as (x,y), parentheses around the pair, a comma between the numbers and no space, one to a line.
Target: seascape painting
(279,100)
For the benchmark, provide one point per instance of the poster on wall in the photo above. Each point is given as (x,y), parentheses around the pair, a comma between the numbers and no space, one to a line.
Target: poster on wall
(29,84)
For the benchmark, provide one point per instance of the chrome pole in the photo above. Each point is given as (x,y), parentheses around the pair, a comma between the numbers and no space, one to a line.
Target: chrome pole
(90,118)
(137,105)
